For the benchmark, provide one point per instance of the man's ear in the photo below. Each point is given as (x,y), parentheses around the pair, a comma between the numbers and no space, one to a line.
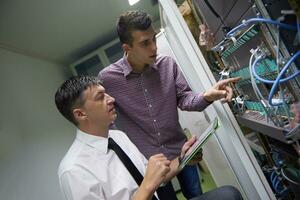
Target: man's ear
(125,47)
(79,114)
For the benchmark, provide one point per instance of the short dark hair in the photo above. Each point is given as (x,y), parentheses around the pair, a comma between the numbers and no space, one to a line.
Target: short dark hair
(131,21)
(69,94)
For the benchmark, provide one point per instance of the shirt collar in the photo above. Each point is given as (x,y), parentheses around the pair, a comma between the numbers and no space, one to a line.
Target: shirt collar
(154,66)
(127,69)
(97,142)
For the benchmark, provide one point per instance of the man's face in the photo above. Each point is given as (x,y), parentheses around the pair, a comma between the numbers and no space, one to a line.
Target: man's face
(143,49)
(98,106)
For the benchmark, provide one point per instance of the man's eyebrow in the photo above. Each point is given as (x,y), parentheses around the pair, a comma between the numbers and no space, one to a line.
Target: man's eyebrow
(154,36)
(144,40)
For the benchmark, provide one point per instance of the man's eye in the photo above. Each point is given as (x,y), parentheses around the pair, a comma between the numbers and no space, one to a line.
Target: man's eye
(145,43)
(100,97)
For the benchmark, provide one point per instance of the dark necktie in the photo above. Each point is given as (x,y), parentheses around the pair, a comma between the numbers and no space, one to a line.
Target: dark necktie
(138,177)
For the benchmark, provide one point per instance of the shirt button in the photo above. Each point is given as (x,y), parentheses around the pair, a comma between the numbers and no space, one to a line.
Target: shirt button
(150,105)
(146,90)
(162,146)
(158,133)
(154,120)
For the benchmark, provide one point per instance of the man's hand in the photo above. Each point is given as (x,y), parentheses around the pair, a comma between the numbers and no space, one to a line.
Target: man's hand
(156,172)
(185,149)
(221,90)
(157,169)
(174,170)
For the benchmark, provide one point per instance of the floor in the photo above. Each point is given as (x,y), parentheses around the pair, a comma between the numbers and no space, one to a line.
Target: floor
(207,184)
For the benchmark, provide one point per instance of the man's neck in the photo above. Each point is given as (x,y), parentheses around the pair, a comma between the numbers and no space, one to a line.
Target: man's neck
(136,67)
(96,131)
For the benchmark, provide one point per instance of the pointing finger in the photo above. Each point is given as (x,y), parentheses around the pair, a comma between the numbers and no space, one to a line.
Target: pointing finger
(229,80)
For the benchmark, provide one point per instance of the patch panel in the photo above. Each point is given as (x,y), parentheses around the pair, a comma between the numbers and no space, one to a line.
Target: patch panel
(267,68)
(243,39)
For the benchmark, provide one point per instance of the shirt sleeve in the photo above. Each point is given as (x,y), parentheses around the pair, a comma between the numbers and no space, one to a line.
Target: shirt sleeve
(79,184)
(186,98)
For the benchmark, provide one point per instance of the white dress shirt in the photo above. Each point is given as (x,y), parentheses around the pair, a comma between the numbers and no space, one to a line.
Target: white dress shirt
(91,171)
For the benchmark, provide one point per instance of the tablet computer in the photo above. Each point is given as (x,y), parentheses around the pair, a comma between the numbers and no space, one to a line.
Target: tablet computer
(203,138)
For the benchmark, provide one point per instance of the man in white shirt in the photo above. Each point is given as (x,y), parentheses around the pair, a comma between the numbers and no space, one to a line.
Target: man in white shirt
(91,169)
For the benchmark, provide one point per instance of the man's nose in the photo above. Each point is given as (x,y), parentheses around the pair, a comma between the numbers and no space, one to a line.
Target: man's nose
(110,99)
(153,46)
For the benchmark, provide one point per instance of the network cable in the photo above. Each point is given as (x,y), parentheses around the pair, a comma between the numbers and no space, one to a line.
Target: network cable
(266,103)
(259,58)
(281,91)
(279,79)
(245,23)
(257,92)
(276,182)
(253,83)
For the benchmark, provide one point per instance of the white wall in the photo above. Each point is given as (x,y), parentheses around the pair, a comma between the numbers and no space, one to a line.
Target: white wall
(33,135)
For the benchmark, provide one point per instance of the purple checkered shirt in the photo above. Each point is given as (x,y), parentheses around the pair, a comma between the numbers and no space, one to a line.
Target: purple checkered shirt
(147,104)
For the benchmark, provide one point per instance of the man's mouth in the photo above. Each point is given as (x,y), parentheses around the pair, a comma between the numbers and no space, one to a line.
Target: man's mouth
(153,56)
(112,109)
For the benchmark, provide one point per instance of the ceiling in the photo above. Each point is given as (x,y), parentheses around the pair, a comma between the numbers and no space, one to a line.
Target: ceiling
(62,31)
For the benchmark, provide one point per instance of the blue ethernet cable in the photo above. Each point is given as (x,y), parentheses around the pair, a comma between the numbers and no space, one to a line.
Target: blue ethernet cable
(258,59)
(272,175)
(276,186)
(274,182)
(278,80)
(261,20)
